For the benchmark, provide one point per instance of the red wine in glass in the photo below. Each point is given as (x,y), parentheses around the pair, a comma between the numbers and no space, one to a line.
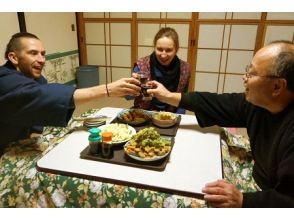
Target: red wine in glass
(144,78)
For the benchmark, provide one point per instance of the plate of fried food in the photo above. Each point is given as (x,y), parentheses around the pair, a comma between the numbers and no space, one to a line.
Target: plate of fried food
(133,116)
(147,145)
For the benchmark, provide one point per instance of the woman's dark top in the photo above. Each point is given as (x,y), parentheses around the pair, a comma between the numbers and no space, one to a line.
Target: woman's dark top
(175,77)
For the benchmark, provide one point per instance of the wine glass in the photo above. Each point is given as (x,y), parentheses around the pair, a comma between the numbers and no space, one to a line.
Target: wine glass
(144,79)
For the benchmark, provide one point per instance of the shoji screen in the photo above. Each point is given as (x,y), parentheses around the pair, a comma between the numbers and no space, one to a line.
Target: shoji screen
(279,27)
(217,45)
(108,44)
(226,43)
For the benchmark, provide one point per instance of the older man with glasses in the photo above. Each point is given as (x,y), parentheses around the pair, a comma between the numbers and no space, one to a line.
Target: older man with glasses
(266,109)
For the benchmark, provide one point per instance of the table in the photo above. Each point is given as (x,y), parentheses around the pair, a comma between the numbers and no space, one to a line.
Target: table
(21,185)
(194,161)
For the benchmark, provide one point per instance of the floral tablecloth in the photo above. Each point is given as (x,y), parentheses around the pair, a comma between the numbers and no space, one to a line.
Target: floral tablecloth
(21,185)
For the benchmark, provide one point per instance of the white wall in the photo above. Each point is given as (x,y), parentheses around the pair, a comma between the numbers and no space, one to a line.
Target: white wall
(54,30)
(8,26)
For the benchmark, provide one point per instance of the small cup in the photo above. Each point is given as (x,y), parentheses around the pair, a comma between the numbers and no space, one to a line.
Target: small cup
(144,79)
(144,88)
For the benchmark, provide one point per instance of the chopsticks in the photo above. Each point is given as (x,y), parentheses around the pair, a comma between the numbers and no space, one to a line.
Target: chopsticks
(91,118)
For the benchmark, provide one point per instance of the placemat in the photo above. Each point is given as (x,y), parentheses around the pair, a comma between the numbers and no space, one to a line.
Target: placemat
(170,131)
(119,157)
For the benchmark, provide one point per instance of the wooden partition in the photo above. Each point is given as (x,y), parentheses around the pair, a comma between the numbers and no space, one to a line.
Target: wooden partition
(217,45)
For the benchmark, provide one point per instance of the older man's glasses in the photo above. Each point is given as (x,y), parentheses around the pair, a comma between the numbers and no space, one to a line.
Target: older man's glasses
(250,74)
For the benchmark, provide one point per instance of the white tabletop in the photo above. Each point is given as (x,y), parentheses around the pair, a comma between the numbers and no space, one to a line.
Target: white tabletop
(194,161)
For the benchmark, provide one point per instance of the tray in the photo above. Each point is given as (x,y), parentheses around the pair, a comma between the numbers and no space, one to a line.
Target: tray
(119,157)
(170,131)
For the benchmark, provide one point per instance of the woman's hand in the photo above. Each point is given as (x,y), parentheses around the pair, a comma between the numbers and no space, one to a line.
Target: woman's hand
(222,194)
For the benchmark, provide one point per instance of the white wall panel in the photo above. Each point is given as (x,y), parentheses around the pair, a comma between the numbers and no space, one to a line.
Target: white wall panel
(107,32)
(54,29)
(206,82)
(212,15)
(233,83)
(121,14)
(221,80)
(180,15)
(183,32)
(96,55)
(210,36)
(223,64)
(148,15)
(102,75)
(118,73)
(280,16)
(279,33)
(246,15)
(243,37)
(146,33)
(183,53)
(94,32)
(208,60)
(144,51)
(121,56)
(237,61)
(120,33)
(93,14)
(226,36)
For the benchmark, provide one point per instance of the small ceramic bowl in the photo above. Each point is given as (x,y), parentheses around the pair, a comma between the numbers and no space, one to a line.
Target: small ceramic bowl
(164,119)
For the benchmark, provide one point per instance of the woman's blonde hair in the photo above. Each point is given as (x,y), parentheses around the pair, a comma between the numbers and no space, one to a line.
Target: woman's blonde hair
(167,32)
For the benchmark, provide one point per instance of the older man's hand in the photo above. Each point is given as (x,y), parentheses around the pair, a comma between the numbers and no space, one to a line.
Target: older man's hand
(222,194)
